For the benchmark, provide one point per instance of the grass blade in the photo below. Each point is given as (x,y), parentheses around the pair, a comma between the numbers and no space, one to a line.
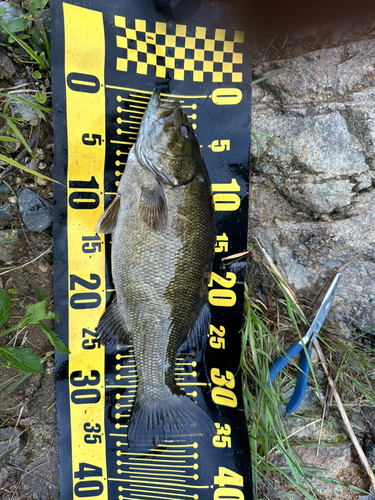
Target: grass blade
(34,105)
(28,170)
(18,133)
(270,75)
(26,48)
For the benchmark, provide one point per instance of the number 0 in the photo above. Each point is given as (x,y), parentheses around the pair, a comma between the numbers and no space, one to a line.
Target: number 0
(224,298)
(226,96)
(224,397)
(81,82)
(228,494)
(92,488)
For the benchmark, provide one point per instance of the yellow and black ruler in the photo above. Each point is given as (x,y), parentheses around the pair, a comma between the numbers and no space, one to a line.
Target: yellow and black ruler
(108,58)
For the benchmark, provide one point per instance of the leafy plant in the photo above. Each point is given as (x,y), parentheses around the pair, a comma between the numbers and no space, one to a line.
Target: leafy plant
(35,57)
(22,358)
(28,38)
(28,27)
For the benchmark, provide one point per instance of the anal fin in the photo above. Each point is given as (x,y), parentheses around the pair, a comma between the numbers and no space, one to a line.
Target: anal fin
(112,328)
(197,337)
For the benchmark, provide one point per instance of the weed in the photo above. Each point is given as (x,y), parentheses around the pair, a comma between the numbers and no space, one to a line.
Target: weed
(270,75)
(254,133)
(30,47)
(263,341)
(21,358)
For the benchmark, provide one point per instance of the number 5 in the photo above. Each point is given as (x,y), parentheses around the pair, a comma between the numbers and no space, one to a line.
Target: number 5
(96,139)
(220,146)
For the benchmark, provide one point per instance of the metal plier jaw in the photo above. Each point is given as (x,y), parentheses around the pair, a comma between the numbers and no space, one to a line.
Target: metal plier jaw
(303,345)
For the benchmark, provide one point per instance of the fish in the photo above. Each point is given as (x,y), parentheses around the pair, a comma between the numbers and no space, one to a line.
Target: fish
(163,234)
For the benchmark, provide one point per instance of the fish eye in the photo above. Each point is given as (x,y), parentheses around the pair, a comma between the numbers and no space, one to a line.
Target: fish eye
(184,130)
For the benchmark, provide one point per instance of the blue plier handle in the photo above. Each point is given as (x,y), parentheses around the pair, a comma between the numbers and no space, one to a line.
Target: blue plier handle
(304,365)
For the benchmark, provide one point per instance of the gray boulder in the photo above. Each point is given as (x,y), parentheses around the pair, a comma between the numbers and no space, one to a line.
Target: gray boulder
(36,212)
(313,199)
(11,12)
(23,110)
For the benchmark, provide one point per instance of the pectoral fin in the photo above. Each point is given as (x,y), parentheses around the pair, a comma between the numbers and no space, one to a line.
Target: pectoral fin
(107,222)
(112,328)
(154,207)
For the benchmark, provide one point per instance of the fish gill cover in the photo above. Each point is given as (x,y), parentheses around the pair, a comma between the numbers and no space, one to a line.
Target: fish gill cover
(162,418)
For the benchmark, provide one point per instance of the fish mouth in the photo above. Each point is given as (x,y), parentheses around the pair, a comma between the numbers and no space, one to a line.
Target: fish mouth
(166,108)
(161,112)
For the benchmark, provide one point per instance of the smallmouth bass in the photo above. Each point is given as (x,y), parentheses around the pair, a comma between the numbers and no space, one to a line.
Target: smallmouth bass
(163,227)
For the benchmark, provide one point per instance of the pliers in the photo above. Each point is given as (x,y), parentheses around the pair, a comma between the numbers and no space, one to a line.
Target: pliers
(304,367)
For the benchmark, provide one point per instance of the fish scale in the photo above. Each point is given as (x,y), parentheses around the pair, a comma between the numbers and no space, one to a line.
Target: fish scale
(95,395)
(162,251)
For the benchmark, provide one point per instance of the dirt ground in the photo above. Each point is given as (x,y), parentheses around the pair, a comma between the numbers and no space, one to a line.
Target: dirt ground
(31,405)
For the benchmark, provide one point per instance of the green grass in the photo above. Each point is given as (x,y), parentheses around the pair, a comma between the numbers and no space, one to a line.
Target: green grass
(351,366)
(21,358)
(27,39)
(255,133)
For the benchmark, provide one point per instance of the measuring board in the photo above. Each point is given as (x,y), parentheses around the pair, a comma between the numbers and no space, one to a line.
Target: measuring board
(108,58)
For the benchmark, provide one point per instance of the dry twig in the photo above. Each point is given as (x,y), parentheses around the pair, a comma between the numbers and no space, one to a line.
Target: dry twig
(344,416)
(290,435)
(27,263)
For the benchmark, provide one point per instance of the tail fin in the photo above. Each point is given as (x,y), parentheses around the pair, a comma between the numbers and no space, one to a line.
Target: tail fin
(179,419)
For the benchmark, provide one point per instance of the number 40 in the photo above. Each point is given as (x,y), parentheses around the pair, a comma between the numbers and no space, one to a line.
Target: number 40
(223,479)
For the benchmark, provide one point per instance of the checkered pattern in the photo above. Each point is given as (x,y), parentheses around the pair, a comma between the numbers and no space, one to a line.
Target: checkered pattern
(178,52)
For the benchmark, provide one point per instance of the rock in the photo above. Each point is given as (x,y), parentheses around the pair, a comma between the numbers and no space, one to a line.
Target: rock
(319,166)
(44,457)
(40,154)
(11,12)
(36,212)
(42,182)
(21,81)
(45,20)
(7,69)
(327,75)
(310,251)
(23,110)
(334,462)
(34,472)
(312,203)
(6,212)
(12,441)
(300,423)
(12,245)
(5,189)
(31,164)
